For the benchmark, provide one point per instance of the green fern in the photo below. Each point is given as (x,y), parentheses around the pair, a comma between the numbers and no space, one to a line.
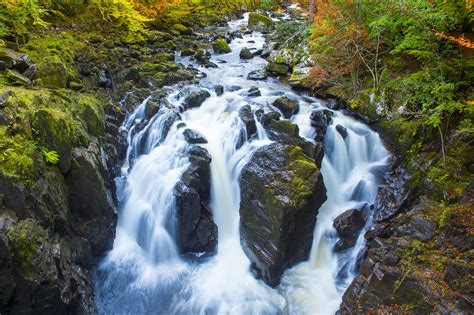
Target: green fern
(51,157)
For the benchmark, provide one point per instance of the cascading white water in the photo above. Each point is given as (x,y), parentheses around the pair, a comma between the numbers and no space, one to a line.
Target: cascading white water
(144,274)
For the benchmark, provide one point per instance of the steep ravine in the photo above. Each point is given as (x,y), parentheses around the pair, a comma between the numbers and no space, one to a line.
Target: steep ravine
(240,162)
(234,193)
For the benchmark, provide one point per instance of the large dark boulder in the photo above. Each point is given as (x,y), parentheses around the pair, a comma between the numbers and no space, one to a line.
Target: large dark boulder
(287,106)
(281,192)
(247,117)
(257,75)
(196,231)
(393,194)
(348,226)
(195,99)
(254,91)
(89,201)
(320,120)
(349,223)
(245,53)
(193,137)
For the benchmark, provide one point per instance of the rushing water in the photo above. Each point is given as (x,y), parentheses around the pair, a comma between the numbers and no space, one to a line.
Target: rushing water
(143,274)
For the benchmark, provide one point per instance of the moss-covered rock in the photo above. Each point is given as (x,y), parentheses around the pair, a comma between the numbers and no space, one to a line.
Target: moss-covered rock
(281,192)
(55,131)
(260,23)
(277,68)
(15,78)
(282,61)
(301,78)
(220,46)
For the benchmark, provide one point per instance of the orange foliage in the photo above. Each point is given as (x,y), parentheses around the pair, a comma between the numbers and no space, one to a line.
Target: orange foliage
(153,8)
(460,40)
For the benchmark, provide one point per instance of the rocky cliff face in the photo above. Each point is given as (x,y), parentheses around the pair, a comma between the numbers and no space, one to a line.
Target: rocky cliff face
(55,220)
(281,192)
(419,258)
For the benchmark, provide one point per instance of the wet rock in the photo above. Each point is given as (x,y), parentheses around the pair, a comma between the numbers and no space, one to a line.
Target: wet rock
(188,206)
(393,194)
(320,120)
(203,57)
(245,53)
(460,277)
(254,91)
(219,89)
(342,131)
(349,223)
(384,286)
(232,88)
(247,117)
(345,243)
(419,228)
(266,118)
(257,75)
(204,237)
(181,125)
(220,46)
(89,201)
(234,34)
(276,217)
(195,99)
(287,106)
(196,231)
(193,137)
(260,23)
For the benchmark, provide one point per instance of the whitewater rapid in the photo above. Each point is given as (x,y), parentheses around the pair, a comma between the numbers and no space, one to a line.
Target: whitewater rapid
(144,274)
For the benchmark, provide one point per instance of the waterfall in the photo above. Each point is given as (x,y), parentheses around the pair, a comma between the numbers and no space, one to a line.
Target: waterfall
(144,274)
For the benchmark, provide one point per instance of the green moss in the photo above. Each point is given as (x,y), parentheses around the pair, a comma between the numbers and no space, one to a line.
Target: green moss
(57,120)
(285,127)
(22,239)
(17,154)
(256,19)
(302,168)
(54,56)
(221,46)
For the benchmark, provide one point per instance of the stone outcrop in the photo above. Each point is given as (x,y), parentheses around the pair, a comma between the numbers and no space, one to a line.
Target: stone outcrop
(220,46)
(282,61)
(196,98)
(287,106)
(281,192)
(196,231)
